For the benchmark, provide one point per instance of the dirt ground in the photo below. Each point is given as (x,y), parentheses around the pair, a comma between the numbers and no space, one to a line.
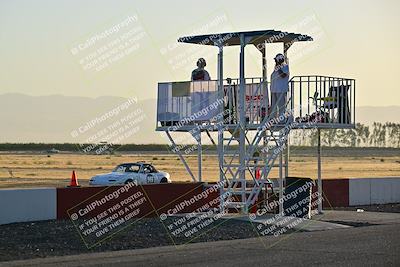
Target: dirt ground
(54,238)
(38,169)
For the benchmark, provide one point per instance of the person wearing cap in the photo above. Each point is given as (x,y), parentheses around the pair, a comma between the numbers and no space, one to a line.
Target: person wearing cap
(279,86)
(200,74)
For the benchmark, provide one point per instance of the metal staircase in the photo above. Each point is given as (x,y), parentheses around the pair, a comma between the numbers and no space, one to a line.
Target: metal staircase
(258,157)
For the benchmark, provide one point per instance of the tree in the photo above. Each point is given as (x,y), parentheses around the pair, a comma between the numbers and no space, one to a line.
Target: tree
(314,137)
(393,132)
(365,135)
(376,129)
(329,136)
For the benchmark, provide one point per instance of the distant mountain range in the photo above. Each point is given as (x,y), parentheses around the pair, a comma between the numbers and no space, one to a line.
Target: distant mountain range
(54,118)
(58,118)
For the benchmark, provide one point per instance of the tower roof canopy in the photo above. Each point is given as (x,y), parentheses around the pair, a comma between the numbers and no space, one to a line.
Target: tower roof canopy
(252,37)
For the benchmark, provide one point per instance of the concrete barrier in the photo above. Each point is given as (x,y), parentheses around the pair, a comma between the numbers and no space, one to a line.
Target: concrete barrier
(359,192)
(395,190)
(381,191)
(25,205)
(368,191)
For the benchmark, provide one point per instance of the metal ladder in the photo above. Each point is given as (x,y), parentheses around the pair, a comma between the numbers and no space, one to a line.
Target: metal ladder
(244,192)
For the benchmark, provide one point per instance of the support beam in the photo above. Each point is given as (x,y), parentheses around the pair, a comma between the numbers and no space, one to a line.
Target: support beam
(264,89)
(220,147)
(199,157)
(281,209)
(242,123)
(211,139)
(178,152)
(197,136)
(265,78)
(264,62)
(264,86)
(287,155)
(319,173)
(286,47)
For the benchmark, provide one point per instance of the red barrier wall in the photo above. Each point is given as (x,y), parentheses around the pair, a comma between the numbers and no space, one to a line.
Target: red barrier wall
(160,198)
(167,198)
(335,192)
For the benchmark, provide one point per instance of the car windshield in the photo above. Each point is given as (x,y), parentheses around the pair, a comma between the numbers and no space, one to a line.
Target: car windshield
(127,168)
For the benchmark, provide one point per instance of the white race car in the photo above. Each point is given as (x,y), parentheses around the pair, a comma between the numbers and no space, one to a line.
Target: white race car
(139,173)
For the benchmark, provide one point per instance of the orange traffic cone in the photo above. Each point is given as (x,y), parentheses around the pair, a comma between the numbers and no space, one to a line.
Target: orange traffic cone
(74,180)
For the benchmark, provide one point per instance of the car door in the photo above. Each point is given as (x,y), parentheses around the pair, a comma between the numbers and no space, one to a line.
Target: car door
(141,179)
(156,176)
(118,175)
(148,175)
(130,174)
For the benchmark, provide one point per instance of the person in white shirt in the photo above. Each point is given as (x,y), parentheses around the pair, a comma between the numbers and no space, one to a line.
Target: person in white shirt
(279,86)
(200,74)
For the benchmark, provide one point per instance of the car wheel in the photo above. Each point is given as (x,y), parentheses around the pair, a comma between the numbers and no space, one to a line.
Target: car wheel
(128,181)
(164,180)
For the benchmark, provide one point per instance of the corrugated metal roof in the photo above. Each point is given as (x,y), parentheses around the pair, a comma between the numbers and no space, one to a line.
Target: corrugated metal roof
(256,37)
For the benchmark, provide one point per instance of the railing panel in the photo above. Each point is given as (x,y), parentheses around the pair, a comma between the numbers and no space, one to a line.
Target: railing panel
(194,102)
(318,99)
(323,99)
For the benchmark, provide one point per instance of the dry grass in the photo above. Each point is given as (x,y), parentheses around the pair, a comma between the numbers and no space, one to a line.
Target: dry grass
(34,170)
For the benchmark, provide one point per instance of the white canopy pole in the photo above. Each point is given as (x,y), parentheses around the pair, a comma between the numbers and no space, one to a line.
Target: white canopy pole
(220,124)
(242,122)
(319,174)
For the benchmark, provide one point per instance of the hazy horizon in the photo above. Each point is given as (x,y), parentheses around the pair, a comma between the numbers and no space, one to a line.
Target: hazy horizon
(102,96)
(53,118)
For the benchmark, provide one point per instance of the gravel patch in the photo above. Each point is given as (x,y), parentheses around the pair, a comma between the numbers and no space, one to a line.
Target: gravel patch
(55,238)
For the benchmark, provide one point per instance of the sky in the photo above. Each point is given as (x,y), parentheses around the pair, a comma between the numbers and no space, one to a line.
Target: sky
(65,47)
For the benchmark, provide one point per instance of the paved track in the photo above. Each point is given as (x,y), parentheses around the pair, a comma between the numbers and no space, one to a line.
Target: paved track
(361,246)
